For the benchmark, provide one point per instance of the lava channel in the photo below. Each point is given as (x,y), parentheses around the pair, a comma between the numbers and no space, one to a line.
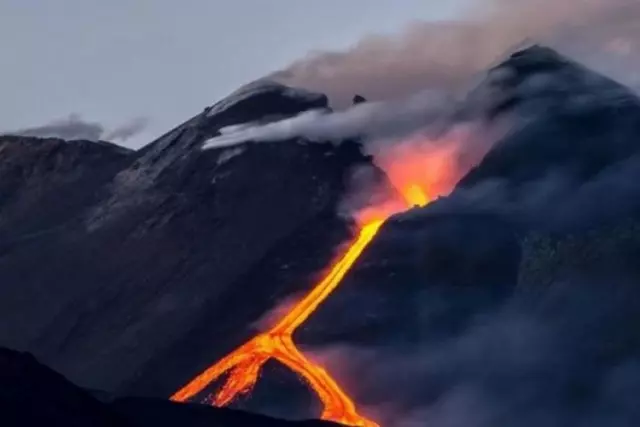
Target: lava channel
(243,365)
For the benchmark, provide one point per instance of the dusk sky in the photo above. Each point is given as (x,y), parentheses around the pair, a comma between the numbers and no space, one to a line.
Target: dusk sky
(112,61)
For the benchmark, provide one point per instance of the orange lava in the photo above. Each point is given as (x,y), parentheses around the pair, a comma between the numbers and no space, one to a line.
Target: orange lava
(244,364)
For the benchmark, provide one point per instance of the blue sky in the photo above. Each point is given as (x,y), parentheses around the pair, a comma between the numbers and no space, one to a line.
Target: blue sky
(110,61)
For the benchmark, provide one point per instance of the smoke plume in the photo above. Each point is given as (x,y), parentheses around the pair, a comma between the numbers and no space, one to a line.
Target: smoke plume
(446,55)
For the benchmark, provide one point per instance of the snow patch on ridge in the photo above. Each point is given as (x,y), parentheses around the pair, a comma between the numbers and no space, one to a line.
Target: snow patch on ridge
(259,87)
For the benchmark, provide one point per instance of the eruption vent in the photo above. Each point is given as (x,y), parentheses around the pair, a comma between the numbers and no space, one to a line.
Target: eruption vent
(244,364)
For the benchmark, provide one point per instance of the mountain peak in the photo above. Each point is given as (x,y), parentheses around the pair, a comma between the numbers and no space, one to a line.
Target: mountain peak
(263,98)
(260,101)
(537,78)
(560,114)
(535,52)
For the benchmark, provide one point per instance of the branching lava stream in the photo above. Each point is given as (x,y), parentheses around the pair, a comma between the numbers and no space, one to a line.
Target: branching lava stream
(243,365)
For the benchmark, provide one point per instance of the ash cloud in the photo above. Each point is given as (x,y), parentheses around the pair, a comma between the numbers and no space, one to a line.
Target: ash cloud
(448,55)
(74,127)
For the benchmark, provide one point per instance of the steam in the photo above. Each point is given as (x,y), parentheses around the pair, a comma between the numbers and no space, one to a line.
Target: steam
(75,127)
(376,120)
(446,55)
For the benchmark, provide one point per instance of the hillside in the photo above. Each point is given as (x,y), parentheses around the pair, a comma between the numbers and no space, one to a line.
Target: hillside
(135,250)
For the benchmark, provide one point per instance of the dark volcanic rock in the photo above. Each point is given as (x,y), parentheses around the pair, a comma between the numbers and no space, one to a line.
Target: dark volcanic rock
(358,99)
(33,395)
(145,412)
(424,277)
(116,264)
(563,117)
(599,254)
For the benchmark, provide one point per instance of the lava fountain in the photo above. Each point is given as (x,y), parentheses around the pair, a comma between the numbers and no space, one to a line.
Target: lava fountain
(243,365)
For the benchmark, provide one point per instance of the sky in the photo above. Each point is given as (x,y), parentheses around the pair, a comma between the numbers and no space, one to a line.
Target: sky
(163,60)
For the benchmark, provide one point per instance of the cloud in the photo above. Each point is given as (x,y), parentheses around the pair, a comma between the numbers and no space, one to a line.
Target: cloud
(128,130)
(75,127)
(448,55)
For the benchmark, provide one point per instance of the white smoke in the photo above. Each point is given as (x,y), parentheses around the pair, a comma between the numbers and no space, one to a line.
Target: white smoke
(374,120)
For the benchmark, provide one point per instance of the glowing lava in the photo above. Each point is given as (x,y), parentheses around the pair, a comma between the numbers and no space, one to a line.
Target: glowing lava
(243,365)
(414,195)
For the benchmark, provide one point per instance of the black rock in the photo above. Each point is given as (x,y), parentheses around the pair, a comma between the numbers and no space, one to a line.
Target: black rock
(358,99)
(33,395)
(446,267)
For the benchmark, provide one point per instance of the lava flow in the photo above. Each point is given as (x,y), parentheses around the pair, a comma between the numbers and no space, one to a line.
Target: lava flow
(244,364)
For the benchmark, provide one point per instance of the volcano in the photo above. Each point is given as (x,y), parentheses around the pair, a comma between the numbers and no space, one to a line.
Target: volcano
(135,272)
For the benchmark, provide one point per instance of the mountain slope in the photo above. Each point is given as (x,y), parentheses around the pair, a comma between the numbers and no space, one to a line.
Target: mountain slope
(157,240)
(562,116)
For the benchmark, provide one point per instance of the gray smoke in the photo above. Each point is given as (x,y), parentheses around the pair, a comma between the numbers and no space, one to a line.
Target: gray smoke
(75,127)
(445,55)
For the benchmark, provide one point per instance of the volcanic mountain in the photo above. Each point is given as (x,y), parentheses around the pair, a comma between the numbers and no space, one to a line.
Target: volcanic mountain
(109,256)
(133,271)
